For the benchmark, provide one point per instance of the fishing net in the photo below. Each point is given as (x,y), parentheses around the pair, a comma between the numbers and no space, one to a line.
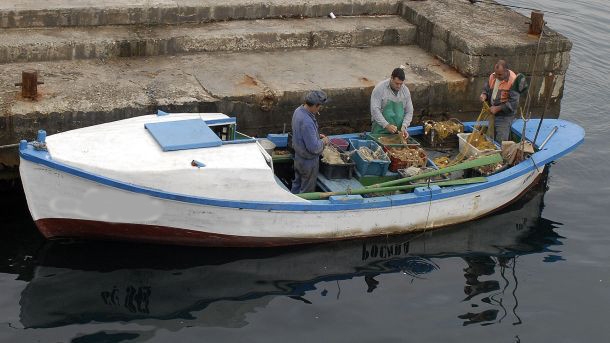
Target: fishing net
(406,156)
(478,138)
(370,155)
(442,161)
(331,155)
(443,129)
(480,141)
(479,131)
(391,140)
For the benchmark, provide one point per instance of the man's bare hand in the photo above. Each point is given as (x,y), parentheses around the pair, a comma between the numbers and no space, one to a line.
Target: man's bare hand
(325,140)
(404,133)
(483,97)
(495,109)
(391,128)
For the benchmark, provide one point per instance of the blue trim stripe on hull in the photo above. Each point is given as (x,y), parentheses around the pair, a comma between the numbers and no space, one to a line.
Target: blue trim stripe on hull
(568,137)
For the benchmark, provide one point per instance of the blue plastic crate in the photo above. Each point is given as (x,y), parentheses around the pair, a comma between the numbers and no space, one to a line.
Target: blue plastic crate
(279,139)
(374,167)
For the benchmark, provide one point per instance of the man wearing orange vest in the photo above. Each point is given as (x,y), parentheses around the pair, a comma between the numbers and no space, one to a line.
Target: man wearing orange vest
(502,99)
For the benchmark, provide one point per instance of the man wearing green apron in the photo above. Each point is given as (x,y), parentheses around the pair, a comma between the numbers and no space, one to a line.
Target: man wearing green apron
(391,106)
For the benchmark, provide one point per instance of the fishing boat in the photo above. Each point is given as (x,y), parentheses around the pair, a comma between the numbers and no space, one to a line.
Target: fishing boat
(192,178)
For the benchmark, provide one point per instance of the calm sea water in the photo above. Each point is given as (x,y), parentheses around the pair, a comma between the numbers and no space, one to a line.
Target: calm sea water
(538,272)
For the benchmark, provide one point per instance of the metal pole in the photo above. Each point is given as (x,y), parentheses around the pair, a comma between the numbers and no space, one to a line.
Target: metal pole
(549,84)
(555,128)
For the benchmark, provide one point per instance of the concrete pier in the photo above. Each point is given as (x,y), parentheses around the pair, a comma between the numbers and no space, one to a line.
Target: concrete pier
(256,59)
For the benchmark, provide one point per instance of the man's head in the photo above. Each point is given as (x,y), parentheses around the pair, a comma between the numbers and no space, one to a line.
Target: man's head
(314,100)
(397,79)
(501,70)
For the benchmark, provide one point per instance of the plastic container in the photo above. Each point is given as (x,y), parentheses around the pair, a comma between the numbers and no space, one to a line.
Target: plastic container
(340,143)
(378,136)
(468,150)
(267,145)
(337,171)
(396,163)
(279,139)
(374,167)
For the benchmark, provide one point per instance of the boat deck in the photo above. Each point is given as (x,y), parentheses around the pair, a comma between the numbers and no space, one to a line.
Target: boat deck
(141,171)
(334,185)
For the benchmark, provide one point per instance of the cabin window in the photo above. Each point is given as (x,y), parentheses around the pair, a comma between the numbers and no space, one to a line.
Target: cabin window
(226,132)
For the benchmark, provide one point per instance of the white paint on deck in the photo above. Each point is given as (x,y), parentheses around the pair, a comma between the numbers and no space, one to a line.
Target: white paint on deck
(124,150)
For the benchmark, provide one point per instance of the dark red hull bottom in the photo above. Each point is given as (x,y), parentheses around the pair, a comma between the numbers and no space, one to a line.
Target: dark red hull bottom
(87,229)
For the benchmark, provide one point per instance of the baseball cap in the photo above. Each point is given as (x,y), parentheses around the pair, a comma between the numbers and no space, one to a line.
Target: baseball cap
(316,97)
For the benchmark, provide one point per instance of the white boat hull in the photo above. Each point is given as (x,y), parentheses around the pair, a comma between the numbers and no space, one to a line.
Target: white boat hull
(65,205)
(113,181)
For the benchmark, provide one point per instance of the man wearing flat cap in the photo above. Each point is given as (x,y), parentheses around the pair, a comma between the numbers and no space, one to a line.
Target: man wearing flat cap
(391,106)
(307,142)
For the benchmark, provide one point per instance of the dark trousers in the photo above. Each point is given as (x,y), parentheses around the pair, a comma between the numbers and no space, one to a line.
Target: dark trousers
(305,175)
(502,127)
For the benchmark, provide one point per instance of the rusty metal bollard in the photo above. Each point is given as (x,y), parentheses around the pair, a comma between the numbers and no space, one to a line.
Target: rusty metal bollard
(29,84)
(537,23)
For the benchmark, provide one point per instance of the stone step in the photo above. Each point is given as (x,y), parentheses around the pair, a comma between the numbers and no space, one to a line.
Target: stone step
(261,89)
(472,37)
(65,13)
(49,44)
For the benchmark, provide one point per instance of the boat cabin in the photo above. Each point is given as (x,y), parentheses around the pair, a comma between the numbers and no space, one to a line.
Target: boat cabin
(197,154)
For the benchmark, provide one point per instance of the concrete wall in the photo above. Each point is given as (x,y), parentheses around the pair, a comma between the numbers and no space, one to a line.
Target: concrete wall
(471,38)
(258,70)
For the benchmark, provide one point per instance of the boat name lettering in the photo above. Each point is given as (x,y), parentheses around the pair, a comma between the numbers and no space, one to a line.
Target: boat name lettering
(136,300)
(384,250)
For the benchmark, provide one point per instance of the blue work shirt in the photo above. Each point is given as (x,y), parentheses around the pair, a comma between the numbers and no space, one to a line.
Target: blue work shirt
(306,140)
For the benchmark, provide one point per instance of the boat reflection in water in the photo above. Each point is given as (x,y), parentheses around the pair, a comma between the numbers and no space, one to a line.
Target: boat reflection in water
(81,282)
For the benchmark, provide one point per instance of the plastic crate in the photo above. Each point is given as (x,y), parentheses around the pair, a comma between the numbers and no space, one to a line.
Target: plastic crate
(374,167)
(340,143)
(396,163)
(432,139)
(279,139)
(468,150)
(378,136)
(337,171)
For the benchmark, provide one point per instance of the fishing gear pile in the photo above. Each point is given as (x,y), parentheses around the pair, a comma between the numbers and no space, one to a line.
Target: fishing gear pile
(331,155)
(443,129)
(391,140)
(370,155)
(408,156)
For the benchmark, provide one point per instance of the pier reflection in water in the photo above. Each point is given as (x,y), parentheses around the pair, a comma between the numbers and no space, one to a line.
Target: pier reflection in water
(83,282)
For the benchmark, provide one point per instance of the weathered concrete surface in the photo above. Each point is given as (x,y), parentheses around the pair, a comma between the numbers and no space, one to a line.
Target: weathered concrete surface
(47,44)
(62,13)
(260,89)
(471,37)
(271,63)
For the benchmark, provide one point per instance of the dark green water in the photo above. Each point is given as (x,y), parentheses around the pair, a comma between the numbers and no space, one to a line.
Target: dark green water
(538,272)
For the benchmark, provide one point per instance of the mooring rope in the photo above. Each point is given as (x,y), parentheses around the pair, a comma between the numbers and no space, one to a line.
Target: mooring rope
(9,146)
(529,89)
